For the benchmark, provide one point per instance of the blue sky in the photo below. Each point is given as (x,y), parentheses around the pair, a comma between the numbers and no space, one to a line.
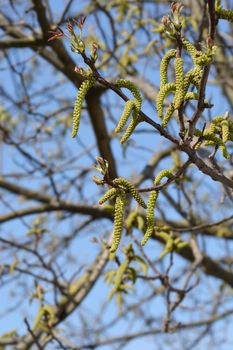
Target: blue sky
(83,247)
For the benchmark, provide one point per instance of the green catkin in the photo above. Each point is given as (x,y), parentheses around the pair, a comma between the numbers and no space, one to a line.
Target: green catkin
(192,77)
(108,195)
(168,115)
(140,222)
(207,57)
(191,96)
(126,185)
(125,115)
(84,88)
(163,173)
(131,219)
(150,216)
(164,66)
(191,49)
(163,92)
(212,140)
(230,131)
(123,83)
(118,220)
(199,58)
(224,152)
(132,125)
(225,131)
(151,204)
(179,73)
(223,13)
(214,125)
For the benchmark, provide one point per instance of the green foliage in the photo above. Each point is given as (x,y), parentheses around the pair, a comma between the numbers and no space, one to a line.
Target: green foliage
(45,318)
(172,242)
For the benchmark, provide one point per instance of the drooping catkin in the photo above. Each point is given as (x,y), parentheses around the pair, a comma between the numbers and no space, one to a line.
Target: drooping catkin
(126,185)
(130,219)
(108,195)
(123,83)
(132,125)
(118,219)
(163,173)
(125,115)
(225,131)
(84,88)
(150,216)
(163,92)
(164,66)
(179,73)
(168,115)
(151,205)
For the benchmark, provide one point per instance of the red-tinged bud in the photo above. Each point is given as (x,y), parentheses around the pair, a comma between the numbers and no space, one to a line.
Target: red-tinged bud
(70,28)
(209,41)
(176,7)
(56,34)
(80,22)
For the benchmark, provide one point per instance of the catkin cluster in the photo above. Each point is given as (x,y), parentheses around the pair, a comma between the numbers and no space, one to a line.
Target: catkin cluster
(219,132)
(131,106)
(151,205)
(179,88)
(123,186)
(83,90)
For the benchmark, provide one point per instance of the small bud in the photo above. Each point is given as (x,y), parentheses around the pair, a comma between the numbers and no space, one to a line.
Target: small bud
(102,166)
(165,20)
(70,28)
(176,7)
(98,181)
(78,46)
(80,22)
(209,41)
